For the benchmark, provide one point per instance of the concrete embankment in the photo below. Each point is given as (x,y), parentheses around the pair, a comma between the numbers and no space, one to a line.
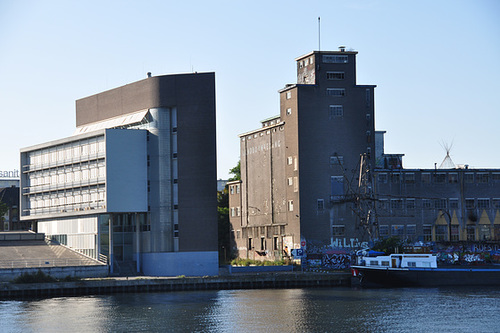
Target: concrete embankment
(153,284)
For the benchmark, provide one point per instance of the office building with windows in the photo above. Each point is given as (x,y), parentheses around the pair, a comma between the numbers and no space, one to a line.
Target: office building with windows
(136,183)
(315,177)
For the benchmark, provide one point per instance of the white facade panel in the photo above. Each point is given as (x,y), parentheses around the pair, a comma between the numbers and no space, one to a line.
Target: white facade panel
(126,171)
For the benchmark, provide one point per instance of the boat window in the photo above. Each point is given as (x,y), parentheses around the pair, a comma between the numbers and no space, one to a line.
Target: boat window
(373,263)
(412,264)
(385,263)
(426,264)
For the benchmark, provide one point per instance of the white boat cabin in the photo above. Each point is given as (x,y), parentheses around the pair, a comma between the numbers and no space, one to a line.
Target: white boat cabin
(401,261)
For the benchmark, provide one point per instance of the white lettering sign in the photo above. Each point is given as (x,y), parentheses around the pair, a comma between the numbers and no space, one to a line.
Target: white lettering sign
(9,174)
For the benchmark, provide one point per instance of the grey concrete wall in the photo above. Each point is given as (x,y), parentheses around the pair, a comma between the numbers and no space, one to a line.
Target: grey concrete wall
(57,272)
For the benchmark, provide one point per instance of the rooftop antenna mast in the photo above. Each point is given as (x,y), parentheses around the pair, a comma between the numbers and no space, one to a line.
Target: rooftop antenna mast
(319,33)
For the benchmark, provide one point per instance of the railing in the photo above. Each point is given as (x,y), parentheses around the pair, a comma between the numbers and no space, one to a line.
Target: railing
(6,264)
(102,258)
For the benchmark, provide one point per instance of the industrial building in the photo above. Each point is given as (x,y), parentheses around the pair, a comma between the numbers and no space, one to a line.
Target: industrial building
(316,178)
(135,186)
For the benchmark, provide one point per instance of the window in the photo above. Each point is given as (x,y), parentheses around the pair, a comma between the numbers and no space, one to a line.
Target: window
(427,229)
(231,189)
(383,204)
(290,160)
(496,203)
(439,203)
(482,178)
(453,178)
(470,203)
(335,59)
(337,92)
(409,178)
(497,231)
(455,232)
(238,188)
(320,204)
(288,94)
(397,230)
(453,203)
(396,203)
(469,178)
(411,229)
(439,177)
(495,176)
(276,243)
(262,244)
(483,203)
(382,178)
(410,203)
(484,232)
(395,178)
(233,212)
(335,75)
(471,232)
(426,178)
(288,111)
(290,181)
(336,160)
(426,203)
(290,205)
(336,111)
(338,230)
(441,231)
(238,211)
(383,231)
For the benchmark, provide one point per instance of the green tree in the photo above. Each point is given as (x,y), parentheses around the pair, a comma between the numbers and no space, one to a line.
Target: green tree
(388,245)
(224,225)
(236,172)
(224,239)
(3,209)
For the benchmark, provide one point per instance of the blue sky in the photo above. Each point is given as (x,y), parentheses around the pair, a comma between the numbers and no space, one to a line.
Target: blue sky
(436,65)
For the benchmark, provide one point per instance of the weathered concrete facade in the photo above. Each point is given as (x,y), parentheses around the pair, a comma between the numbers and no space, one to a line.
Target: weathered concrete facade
(328,188)
(293,166)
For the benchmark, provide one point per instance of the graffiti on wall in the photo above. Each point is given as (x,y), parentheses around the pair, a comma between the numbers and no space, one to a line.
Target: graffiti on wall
(336,261)
(352,243)
(468,254)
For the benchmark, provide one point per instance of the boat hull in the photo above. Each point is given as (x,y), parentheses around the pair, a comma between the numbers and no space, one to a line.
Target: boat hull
(425,277)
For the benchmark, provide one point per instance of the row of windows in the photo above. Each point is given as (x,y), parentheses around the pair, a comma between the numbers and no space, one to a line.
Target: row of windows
(72,150)
(306,62)
(442,203)
(266,231)
(234,189)
(335,59)
(438,177)
(337,92)
(256,135)
(235,211)
(335,75)
(91,197)
(63,176)
(434,233)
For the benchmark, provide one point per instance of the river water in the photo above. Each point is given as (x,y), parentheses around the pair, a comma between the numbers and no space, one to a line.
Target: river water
(267,310)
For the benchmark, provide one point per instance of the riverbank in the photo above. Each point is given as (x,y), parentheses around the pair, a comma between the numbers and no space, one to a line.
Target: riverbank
(154,284)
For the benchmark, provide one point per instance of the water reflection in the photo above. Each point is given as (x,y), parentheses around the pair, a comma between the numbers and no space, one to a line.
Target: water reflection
(286,310)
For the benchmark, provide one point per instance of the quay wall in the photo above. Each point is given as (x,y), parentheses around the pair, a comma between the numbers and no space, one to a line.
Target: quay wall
(58,272)
(155,284)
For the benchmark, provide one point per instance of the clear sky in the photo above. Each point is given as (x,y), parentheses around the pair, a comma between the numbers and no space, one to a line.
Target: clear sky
(436,65)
